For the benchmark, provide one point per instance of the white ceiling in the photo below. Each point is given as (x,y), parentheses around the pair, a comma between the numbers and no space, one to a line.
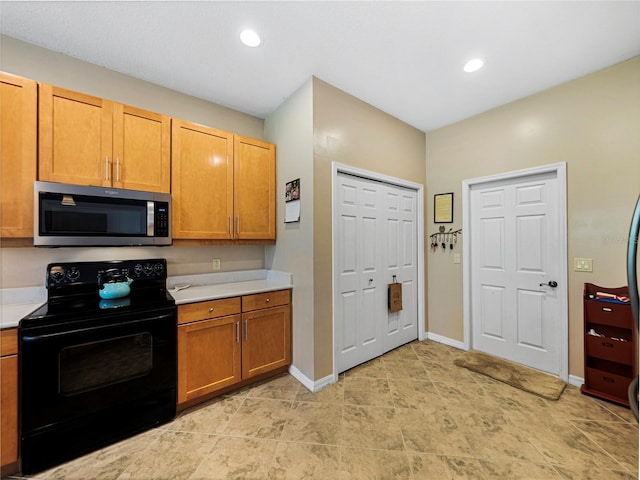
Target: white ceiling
(405,58)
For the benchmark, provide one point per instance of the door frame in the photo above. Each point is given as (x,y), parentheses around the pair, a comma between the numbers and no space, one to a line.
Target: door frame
(337,168)
(560,170)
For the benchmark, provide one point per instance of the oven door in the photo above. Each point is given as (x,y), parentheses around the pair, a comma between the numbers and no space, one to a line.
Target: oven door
(88,383)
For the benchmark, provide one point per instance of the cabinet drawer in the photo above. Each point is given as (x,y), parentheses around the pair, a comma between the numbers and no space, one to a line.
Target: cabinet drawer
(609,349)
(192,312)
(614,314)
(607,382)
(8,341)
(265,300)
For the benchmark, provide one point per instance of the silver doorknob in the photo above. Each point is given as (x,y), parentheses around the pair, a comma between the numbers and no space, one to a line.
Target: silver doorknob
(552,284)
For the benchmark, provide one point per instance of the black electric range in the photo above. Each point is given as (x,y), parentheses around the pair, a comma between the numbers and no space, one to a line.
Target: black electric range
(96,370)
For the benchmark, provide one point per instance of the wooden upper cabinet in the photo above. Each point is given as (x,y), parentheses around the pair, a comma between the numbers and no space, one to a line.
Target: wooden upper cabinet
(87,140)
(18,154)
(75,137)
(202,181)
(254,189)
(141,149)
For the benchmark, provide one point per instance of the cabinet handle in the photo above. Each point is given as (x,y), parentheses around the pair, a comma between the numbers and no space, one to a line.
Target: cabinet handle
(117,169)
(607,309)
(106,167)
(238,331)
(238,225)
(267,300)
(607,344)
(231,226)
(211,310)
(608,379)
(246,330)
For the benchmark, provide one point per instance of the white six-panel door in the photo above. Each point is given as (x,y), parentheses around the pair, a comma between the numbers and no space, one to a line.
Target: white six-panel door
(399,255)
(375,239)
(515,253)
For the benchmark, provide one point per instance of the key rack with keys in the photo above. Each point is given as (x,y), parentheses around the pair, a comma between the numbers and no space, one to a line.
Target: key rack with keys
(444,239)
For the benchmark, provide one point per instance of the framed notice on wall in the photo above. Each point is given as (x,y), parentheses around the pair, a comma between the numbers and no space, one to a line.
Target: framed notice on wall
(292,201)
(443,208)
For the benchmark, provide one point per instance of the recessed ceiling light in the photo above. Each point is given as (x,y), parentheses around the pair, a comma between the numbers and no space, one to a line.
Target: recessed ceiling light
(474,64)
(250,38)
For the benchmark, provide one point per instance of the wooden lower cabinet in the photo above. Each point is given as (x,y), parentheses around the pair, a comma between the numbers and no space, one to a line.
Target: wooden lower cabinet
(9,401)
(208,356)
(266,341)
(222,343)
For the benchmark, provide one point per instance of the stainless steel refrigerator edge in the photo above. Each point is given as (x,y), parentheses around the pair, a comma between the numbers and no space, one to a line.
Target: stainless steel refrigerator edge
(632,277)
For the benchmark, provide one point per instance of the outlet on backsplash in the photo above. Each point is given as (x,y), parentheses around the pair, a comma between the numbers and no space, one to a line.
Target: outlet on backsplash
(215,264)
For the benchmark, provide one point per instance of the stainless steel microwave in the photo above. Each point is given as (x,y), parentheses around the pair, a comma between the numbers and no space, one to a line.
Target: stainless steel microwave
(79,216)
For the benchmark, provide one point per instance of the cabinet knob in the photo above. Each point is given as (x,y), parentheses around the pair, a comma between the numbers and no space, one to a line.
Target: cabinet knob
(211,310)
(267,300)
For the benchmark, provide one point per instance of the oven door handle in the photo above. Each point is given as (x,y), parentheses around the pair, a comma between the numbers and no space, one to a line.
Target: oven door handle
(25,337)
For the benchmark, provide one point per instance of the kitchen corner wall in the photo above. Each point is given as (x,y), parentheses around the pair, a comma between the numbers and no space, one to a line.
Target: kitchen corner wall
(290,127)
(21,267)
(592,124)
(351,132)
(318,125)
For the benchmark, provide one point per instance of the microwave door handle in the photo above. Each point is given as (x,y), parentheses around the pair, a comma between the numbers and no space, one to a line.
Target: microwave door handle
(150,219)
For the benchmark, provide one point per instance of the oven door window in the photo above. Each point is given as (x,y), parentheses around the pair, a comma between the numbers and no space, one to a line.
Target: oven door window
(97,364)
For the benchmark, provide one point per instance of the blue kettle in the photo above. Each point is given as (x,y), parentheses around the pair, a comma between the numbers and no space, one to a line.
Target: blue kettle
(113,284)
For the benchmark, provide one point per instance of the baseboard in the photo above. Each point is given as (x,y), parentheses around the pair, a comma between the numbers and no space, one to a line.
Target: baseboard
(445,340)
(575,381)
(311,385)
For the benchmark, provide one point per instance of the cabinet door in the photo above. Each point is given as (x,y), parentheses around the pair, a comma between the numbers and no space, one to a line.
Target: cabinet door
(9,409)
(266,340)
(208,356)
(254,189)
(18,147)
(141,150)
(202,181)
(75,134)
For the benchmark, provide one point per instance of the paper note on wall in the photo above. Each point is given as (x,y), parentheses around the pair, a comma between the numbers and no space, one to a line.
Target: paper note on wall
(292,211)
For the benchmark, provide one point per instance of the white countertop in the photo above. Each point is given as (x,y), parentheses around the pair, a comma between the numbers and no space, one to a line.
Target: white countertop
(227,284)
(16,303)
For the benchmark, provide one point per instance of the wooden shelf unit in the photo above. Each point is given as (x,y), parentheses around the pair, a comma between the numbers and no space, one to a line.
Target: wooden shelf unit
(610,358)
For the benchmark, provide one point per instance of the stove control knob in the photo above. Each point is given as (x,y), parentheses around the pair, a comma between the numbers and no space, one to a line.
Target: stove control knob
(73,274)
(148,269)
(57,274)
(157,268)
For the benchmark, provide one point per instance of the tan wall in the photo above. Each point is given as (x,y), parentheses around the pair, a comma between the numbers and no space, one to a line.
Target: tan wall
(290,127)
(349,131)
(23,267)
(591,123)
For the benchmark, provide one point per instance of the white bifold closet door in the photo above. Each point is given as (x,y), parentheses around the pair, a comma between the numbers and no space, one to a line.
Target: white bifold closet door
(376,239)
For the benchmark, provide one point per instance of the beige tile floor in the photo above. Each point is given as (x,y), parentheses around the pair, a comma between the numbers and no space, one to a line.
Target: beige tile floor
(410,414)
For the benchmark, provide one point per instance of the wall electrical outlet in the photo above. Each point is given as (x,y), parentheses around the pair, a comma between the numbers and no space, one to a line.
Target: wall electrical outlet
(583,265)
(215,264)
(456,258)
